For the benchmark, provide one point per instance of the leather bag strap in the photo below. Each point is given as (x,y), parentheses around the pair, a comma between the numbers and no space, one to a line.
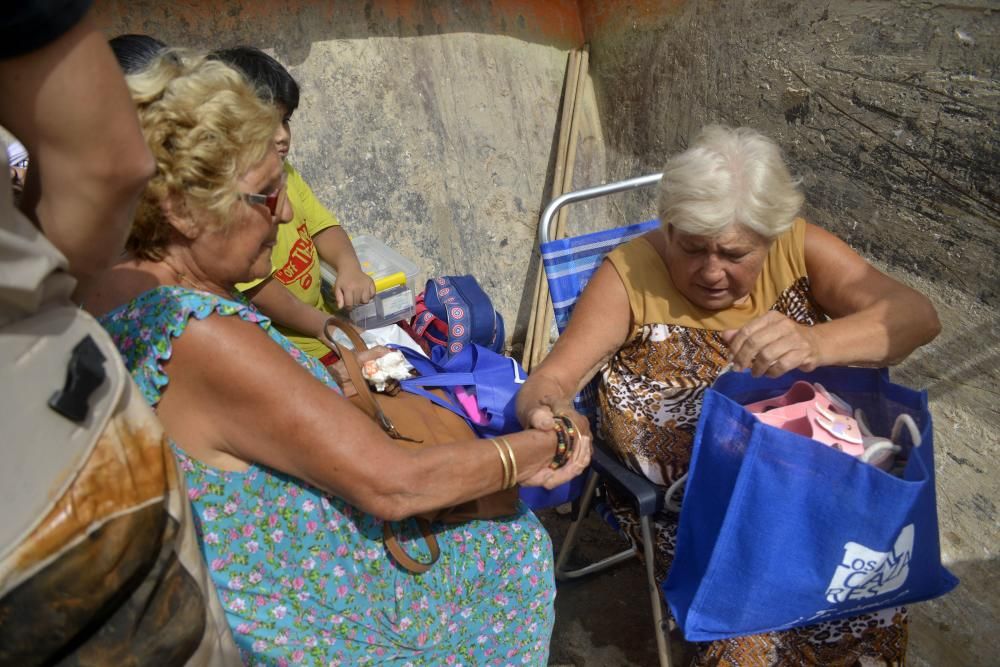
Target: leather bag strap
(404,559)
(368,403)
(352,334)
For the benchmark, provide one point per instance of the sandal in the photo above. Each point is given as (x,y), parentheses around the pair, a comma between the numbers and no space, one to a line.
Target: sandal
(808,409)
(795,403)
(830,428)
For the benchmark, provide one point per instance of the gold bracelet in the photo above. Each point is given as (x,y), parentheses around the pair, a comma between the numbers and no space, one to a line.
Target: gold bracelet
(505,463)
(513,462)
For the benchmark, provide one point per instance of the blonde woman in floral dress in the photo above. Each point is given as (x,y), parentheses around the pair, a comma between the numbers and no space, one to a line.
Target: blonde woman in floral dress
(290,483)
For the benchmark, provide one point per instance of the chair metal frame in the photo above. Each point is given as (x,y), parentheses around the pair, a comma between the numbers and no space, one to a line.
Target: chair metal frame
(646,496)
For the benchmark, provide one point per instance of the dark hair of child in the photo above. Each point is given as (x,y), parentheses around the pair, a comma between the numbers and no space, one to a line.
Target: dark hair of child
(264,72)
(134,51)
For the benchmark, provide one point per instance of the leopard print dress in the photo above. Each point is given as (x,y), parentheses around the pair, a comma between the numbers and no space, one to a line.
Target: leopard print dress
(649,399)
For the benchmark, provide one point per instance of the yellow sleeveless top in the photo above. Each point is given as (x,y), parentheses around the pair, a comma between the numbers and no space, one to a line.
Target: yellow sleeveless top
(651,390)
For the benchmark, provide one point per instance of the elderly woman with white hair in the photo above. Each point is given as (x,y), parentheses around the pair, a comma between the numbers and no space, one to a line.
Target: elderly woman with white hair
(733,275)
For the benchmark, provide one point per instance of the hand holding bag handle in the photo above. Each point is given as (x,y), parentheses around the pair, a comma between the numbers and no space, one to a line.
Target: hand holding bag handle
(363,398)
(369,405)
(416,422)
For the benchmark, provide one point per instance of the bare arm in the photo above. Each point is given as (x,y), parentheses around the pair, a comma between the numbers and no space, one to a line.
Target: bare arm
(254,403)
(69,105)
(598,328)
(284,308)
(877,320)
(353,285)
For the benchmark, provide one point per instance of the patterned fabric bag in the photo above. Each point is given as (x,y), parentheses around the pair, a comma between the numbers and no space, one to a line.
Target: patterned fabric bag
(780,531)
(454,311)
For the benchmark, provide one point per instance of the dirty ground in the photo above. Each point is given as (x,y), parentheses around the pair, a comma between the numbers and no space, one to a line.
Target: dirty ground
(603,620)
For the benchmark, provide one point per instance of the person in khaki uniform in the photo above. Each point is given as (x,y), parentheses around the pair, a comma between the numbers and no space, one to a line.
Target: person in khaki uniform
(98,559)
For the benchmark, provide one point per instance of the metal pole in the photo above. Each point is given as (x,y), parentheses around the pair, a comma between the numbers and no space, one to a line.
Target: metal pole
(544,233)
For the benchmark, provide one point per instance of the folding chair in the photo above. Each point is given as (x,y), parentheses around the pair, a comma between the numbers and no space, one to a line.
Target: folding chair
(568,265)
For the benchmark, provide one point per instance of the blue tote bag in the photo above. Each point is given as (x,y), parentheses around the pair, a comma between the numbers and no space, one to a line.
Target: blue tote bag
(495,378)
(779,531)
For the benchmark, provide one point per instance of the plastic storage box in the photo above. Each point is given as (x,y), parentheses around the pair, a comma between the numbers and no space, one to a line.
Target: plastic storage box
(395,283)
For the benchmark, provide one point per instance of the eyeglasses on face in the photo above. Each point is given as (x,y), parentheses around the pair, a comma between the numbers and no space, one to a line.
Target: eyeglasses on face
(269,200)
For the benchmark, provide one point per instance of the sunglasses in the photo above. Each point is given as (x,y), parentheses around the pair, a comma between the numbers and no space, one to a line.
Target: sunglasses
(269,200)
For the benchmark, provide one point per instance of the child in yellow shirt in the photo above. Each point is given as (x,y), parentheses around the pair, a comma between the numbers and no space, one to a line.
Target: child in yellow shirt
(291,296)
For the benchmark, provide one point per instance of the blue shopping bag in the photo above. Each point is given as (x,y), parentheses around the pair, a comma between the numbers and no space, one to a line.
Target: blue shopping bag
(779,531)
(540,498)
(494,378)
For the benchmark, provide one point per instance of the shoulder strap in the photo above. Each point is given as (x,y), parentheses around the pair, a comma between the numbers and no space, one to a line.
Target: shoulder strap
(365,399)
(399,553)
(457,312)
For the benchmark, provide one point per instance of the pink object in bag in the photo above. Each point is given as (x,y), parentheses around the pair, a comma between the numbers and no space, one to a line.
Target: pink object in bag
(471,406)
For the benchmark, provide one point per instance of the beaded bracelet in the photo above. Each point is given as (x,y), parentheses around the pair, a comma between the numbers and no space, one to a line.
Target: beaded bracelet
(562,446)
(565,440)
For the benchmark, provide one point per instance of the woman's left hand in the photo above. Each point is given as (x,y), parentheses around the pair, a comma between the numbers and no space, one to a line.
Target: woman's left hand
(772,345)
(339,371)
(582,446)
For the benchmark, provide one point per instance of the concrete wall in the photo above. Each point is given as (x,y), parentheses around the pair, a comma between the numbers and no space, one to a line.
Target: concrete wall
(428,125)
(888,111)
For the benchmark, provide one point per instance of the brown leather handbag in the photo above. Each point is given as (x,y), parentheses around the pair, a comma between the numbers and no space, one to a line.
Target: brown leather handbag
(417,423)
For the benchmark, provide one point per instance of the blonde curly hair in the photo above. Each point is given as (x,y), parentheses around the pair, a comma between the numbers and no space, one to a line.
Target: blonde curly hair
(206,127)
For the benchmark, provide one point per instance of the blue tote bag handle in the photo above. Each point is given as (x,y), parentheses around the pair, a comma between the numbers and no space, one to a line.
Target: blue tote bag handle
(417,386)
(495,378)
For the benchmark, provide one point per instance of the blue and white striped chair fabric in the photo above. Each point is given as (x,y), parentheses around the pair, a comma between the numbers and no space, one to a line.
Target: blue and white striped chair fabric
(569,263)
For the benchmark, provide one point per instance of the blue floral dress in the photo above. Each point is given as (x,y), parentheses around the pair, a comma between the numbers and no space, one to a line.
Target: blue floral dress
(304,577)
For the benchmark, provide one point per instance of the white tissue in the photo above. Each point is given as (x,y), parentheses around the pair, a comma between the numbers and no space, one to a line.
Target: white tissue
(392,366)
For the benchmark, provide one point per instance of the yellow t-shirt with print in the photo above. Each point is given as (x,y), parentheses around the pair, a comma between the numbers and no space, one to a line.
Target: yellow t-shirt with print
(295,259)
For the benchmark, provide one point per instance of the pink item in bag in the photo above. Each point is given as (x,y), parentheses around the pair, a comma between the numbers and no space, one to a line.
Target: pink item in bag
(471,405)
